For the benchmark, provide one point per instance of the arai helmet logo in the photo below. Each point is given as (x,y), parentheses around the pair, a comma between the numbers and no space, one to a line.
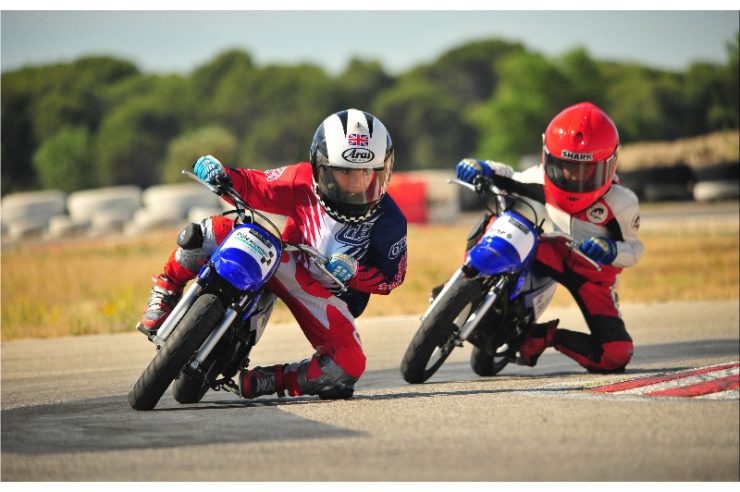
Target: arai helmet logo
(575,156)
(358,156)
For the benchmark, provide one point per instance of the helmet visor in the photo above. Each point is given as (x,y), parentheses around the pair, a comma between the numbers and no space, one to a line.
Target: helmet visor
(352,186)
(579,176)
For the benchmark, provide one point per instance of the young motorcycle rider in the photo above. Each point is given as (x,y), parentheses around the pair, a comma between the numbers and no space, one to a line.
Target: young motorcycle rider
(336,203)
(576,180)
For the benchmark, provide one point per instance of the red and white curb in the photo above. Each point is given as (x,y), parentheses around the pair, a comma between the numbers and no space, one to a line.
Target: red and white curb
(700,382)
(717,382)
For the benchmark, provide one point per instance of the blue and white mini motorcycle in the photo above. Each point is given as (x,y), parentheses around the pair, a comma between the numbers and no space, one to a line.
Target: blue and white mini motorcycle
(492,299)
(207,338)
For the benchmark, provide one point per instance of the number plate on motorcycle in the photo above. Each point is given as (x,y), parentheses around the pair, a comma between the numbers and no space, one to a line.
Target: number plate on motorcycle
(255,245)
(514,232)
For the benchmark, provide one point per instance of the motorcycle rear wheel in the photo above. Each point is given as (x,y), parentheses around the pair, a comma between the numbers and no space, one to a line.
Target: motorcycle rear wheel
(189,335)
(435,338)
(189,388)
(483,364)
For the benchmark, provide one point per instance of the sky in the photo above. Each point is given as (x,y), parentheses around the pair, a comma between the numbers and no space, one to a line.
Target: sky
(180,41)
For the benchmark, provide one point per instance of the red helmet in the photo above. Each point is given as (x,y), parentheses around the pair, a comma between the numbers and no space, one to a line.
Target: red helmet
(580,156)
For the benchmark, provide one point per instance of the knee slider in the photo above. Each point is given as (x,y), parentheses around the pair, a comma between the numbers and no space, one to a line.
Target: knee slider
(191,237)
(616,355)
(331,378)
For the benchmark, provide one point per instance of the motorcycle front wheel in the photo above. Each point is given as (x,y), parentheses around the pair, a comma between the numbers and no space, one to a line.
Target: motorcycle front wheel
(189,335)
(436,337)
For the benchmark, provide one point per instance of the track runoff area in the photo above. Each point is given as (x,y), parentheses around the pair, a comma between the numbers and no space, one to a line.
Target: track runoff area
(717,382)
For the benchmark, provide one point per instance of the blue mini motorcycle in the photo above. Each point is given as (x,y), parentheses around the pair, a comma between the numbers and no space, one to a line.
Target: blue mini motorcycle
(493,298)
(207,338)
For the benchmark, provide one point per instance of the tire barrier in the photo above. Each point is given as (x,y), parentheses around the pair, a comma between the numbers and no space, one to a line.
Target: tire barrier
(175,201)
(719,181)
(62,226)
(663,183)
(169,205)
(82,205)
(708,191)
(196,214)
(424,196)
(26,214)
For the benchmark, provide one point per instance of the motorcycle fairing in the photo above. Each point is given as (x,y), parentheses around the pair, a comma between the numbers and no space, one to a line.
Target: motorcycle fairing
(248,257)
(508,245)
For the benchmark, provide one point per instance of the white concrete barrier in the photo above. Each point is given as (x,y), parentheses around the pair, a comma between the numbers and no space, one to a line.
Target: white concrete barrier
(33,204)
(83,205)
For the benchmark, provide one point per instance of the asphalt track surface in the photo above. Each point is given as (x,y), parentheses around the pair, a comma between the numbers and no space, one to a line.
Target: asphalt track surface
(65,415)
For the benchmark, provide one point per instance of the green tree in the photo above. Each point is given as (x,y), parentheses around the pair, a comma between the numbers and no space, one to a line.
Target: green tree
(133,138)
(38,102)
(468,73)
(361,82)
(426,126)
(64,161)
(221,88)
(633,102)
(184,150)
(531,92)
(287,104)
(583,76)
(18,139)
(732,80)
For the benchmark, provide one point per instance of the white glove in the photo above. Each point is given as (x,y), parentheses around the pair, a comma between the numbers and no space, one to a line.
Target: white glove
(500,169)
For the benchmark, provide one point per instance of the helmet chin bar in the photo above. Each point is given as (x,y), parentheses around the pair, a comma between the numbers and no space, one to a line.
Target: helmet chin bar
(341,217)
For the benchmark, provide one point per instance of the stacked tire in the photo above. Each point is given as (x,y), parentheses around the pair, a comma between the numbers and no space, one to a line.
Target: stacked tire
(660,184)
(719,181)
(29,214)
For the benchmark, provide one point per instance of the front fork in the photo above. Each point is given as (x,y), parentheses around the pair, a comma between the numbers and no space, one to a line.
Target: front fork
(476,316)
(228,319)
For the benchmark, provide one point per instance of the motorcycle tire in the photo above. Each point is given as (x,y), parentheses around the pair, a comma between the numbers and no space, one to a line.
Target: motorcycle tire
(189,335)
(481,362)
(484,364)
(419,362)
(189,388)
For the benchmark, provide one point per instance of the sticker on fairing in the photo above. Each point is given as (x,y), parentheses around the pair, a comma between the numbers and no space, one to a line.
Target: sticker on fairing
(513,231)
(542,299)
(255,245)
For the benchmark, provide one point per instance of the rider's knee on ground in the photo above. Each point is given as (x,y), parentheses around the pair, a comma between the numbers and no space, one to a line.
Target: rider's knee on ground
(336,371)
(614,358)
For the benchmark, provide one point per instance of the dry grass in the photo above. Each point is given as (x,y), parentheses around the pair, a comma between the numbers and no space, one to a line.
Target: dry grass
(87,287)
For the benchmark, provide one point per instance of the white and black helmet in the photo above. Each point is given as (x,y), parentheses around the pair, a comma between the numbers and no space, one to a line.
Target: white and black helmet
(348,141)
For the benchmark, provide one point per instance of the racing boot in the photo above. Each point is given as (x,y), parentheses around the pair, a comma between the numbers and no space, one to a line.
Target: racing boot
(539,338)
(164,296)
(262,381)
